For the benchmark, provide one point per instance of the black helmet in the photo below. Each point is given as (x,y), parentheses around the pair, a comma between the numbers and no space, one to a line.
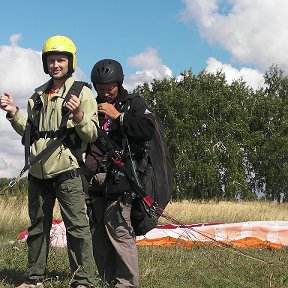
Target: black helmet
(107,71)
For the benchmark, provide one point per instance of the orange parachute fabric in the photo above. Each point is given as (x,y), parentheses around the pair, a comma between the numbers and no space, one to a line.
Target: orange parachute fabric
(272,234)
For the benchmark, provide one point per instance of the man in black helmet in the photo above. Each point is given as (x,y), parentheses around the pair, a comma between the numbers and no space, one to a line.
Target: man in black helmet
(127,121)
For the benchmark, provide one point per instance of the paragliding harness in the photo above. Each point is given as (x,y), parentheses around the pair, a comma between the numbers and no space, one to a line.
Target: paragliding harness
(60,136)
(152,176)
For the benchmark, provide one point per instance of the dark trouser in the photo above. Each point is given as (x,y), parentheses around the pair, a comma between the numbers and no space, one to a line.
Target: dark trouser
(41,199)
(114,245)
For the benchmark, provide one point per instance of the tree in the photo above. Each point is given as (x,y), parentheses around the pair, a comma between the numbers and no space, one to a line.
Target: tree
(269,125)
(206,126)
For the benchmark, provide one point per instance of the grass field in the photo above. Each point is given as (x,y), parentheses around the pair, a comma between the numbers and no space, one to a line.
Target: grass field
(200,266)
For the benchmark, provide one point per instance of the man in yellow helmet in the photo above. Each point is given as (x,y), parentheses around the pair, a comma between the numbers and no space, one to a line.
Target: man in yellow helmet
(56,176)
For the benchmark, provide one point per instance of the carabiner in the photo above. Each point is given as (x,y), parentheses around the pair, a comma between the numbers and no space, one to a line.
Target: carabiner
(12,183)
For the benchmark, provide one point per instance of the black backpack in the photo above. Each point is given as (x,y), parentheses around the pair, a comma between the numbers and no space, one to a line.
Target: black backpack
(152,180)
(155,174)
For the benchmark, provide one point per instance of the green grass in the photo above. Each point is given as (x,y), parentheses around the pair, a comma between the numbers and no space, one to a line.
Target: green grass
(200,266)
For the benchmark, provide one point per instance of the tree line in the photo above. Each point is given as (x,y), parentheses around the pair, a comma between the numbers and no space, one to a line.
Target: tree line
(226,141)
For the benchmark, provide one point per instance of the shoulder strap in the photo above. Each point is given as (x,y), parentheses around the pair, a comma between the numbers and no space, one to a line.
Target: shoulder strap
(75,89)
(124,107)
(75,148)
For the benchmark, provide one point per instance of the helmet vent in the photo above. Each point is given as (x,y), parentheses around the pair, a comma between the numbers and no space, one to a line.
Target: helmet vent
(107,71)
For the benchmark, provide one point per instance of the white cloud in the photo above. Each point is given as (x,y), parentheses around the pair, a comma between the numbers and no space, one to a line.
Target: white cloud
(252,77)
(21,72)
(252,31)
(14,39)
(151,67)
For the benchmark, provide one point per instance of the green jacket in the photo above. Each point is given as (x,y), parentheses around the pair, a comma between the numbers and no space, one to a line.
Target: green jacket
(62,159)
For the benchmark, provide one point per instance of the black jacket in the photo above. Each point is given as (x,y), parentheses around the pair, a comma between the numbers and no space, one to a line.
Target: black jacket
(138,125)
(138,121)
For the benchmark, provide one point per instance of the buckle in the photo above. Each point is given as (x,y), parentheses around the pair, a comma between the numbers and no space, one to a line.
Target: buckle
(74,173)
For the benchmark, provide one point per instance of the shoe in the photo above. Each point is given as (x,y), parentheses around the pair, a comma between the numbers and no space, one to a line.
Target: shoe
(27,285)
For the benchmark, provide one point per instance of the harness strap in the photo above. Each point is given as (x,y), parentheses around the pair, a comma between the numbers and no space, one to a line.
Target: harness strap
(75,147)
(138,190)
(75,89)
(52,134)
(57,179)
(37,107)
(49,149)
(63,133)
(27,140)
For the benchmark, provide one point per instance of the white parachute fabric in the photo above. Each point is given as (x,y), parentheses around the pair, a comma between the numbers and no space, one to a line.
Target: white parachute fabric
(254,233)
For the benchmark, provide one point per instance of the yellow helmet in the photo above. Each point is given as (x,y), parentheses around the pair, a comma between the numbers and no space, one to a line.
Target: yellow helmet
(59,45)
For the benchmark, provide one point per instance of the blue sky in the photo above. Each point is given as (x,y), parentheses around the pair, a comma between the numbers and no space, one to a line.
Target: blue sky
(152,39)
(116,29)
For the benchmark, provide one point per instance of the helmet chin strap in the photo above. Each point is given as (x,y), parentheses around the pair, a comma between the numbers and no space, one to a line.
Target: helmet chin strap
(66,76)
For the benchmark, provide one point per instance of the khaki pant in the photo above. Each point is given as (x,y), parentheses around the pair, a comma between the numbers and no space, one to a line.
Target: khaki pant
(41,199)
(114,245)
